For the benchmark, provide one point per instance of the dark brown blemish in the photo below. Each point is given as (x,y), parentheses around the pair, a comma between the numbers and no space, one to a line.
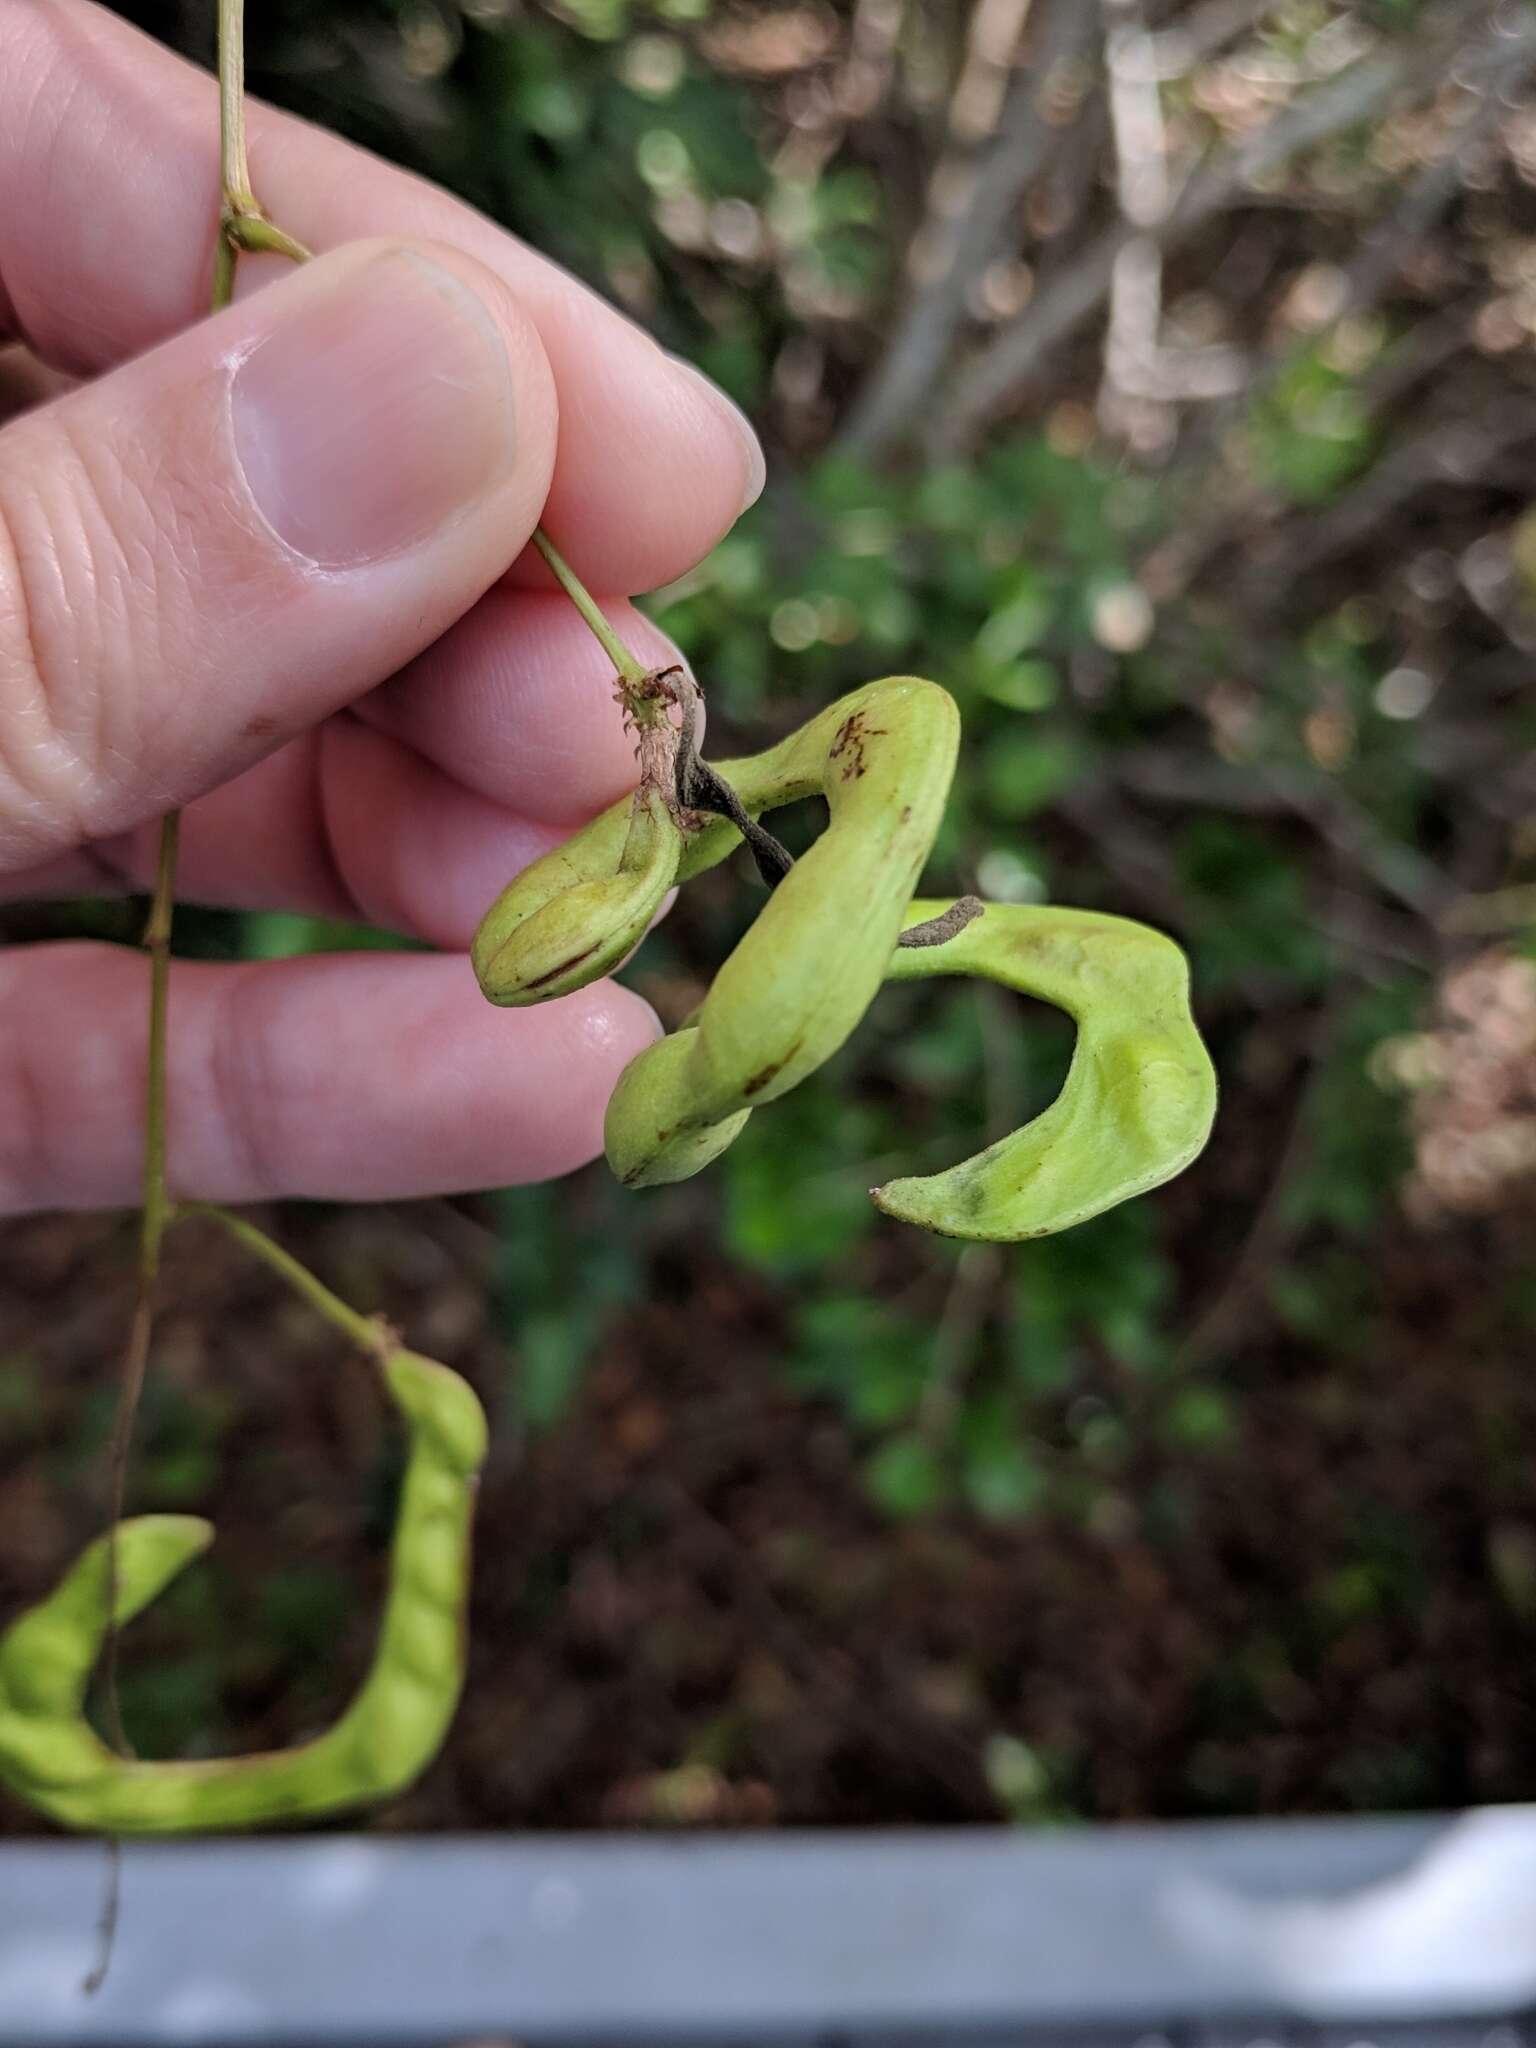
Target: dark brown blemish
(261,727)
(565,967)
(848,746)
(773,1069)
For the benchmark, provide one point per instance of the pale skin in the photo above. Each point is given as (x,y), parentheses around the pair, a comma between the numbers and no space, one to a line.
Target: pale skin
(340,655)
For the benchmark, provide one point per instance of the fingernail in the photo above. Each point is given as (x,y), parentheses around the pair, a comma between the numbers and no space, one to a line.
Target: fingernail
(757,465)
(377,410)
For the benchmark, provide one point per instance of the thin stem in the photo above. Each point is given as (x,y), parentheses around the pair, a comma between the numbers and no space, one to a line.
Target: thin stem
(152,1220)
(154,1214)
(157,943)
(628,665)
(250,233)
(253,232)
(235,169)
(225,256)
(367,1332)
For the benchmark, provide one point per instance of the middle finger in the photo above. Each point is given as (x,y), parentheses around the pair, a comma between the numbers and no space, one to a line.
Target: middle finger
(413,813)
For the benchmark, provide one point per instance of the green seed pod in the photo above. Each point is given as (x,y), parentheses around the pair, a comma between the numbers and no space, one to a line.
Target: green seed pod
(576,913)
(392,1729)
(1138,1102)
(798,983)
(1139,1098)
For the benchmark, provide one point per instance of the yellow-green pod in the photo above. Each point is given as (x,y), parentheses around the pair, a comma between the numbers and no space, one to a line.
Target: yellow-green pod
(1137,1105)
(576,913)
(810,965)
(395,1724)
(1138,1100)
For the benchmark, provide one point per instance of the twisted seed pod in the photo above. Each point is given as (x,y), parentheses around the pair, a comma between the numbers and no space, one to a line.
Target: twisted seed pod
(809,967)
(1137,1105)
(1138,1101)
(53,1759)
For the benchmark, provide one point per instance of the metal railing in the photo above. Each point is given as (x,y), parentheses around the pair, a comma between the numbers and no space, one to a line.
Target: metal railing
(1387,1932)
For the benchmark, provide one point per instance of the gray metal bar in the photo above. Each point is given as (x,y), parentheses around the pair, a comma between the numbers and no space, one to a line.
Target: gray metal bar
(569,1938)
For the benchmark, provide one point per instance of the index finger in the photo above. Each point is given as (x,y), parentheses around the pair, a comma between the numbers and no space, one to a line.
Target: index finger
(109,199)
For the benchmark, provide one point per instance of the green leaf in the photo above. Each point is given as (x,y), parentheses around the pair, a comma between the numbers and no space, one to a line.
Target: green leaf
(1200,1417)
(905,1478)
(550,1364)
(1005,1481)
(1026,770)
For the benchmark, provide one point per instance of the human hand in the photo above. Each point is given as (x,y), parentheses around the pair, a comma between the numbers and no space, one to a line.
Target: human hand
(273,566)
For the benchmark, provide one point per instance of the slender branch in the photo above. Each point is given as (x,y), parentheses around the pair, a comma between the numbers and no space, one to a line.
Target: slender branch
(1133,339)
(872,43)
(1226,511)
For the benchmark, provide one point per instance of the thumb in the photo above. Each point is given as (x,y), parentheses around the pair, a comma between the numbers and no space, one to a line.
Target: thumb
(228,538)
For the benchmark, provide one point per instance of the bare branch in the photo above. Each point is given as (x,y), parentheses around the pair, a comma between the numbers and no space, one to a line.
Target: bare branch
(1358,94)
(1435,184)
(961,243)
(866,74)
(1205,30)
(1458,454)
(1142,378)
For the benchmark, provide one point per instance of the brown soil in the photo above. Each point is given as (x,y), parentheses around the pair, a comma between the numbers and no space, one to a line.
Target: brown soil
(687,1611)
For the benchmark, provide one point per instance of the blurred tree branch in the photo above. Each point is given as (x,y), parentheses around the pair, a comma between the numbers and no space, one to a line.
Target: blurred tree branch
(957,243)
(1365,90)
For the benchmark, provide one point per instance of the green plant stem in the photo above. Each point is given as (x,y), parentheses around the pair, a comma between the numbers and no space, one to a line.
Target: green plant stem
(154,1212)
(157,943)
(367,1332)
(251,231)
(253,234)
(629,667)
(154,1208)
(235,169)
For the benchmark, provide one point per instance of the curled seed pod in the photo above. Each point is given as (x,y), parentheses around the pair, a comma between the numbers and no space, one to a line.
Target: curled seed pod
(1138,1101)
(571,916)
(50,1755)
(809,967)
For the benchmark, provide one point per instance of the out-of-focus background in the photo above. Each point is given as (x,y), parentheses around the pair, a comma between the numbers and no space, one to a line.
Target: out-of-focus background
(1161,379)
